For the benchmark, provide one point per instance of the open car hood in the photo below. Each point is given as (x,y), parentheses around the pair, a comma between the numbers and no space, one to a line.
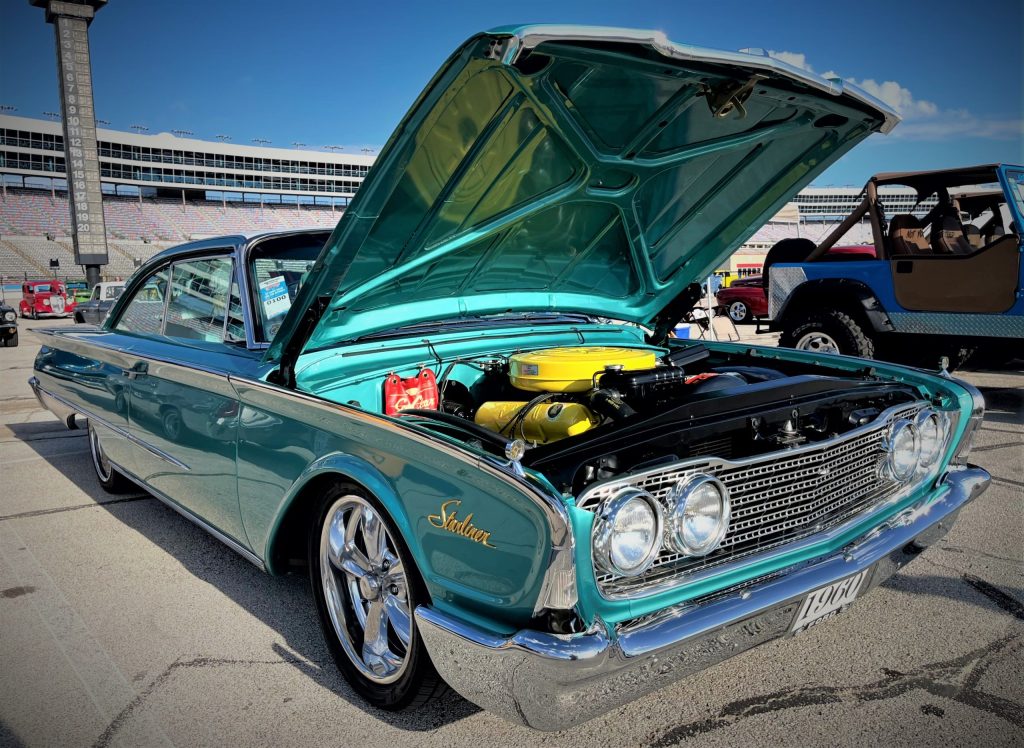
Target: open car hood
(572,169)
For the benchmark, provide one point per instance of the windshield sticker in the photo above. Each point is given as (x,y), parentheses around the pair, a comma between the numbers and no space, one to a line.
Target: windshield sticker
(274,295)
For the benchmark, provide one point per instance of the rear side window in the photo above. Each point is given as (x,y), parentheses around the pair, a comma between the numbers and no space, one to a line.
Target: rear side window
(198,305)
(145,311)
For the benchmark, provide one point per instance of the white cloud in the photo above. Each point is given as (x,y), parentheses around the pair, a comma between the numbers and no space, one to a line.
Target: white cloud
(898,97)
(796,59)
(922,119)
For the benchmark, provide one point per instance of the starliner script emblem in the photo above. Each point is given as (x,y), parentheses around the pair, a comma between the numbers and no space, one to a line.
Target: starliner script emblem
(448,520)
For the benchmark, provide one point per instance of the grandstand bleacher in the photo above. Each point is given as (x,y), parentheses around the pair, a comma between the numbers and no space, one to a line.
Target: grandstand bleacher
(136,229)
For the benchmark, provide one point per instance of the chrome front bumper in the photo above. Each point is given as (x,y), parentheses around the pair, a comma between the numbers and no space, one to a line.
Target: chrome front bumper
(551,682)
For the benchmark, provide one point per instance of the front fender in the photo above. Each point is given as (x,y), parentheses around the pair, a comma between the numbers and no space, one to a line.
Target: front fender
(794,296)
(288,441)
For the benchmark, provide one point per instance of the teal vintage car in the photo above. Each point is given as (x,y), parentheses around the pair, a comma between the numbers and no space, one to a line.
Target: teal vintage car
(463,414)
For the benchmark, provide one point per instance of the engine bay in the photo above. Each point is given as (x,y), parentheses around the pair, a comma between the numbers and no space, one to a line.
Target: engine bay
(590,413)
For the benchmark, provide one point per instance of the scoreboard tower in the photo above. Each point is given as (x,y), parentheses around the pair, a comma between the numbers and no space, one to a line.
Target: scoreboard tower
(71,19)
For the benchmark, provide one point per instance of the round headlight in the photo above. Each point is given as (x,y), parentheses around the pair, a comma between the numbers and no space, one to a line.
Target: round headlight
(698,515)
(931,430)
(904,450)
(9,316)
(627,533)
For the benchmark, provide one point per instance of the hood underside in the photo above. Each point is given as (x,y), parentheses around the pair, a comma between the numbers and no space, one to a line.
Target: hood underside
(573,169)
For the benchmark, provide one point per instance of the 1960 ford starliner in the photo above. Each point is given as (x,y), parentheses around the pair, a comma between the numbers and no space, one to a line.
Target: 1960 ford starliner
(462,412)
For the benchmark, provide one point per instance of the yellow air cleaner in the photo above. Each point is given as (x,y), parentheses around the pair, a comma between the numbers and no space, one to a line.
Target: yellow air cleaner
(546,422)
(572,369)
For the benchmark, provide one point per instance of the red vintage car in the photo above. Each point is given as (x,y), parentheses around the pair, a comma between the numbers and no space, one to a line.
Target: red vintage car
(744,299)
(46,298)
(747,298)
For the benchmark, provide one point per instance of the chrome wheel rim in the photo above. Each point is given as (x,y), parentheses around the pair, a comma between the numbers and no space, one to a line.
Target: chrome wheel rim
(738,311)
(365,589)
(99,457)
(818,342)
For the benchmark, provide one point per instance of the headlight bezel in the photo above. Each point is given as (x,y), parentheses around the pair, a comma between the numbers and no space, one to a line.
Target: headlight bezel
(604,531)
(678,498)
(927,462)
(889,444)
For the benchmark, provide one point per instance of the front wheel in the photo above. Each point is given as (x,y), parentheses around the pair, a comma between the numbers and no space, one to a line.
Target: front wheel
(366,589)
(110,479)
(829,332)
(739,312)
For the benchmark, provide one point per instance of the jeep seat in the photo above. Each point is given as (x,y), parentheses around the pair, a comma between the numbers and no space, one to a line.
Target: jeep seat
(974,237)
(906,236)
(948,235)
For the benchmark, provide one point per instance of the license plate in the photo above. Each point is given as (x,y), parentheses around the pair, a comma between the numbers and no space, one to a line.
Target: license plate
(828,602)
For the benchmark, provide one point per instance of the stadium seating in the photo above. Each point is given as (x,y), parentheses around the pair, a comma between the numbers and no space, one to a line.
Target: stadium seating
(135,229)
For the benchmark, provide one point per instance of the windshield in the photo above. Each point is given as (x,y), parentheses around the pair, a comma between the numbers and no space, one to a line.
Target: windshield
(113,292)
(41,288)
(278,268)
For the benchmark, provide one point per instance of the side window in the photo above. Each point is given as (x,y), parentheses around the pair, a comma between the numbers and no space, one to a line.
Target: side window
(145,311)
(199,299)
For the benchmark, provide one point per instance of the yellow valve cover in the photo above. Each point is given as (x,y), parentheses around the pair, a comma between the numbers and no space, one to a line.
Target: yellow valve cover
(546,422)
(572,369)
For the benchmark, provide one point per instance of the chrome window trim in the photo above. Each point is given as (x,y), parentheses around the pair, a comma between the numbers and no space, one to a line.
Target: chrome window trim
(824,536)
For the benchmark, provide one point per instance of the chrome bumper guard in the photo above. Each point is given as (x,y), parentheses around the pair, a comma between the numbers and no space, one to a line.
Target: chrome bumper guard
(56,405)
(552,682)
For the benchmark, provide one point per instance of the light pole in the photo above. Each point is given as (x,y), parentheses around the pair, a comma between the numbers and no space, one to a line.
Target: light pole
(52,115)
(261,141)
(139,128)
(182,133)
(334,148)
(223,138)
(298,145)
(8,108)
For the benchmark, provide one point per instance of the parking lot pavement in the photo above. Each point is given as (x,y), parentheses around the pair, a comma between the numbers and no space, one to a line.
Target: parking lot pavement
(123,624)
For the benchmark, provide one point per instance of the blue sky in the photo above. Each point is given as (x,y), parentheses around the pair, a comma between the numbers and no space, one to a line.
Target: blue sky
(343,73)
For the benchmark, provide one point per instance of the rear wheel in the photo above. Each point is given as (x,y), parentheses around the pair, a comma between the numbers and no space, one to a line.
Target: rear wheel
(829,332)
(110,479)
(366,589)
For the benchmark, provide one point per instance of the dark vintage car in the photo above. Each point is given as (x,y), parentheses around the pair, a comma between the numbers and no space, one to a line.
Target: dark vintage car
(489,483)
(95,309)
(8,325)
(46,298)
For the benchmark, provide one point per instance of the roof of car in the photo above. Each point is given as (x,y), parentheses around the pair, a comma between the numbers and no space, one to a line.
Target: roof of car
(928,181)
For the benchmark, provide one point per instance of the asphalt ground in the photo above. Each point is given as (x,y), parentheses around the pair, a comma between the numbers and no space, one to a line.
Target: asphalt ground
(123,624)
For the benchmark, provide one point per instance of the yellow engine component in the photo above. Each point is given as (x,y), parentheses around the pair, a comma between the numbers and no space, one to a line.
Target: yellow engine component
(546,422)
(572,369)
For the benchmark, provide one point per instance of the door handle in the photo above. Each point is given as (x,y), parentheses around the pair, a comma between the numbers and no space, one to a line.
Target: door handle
(140,367)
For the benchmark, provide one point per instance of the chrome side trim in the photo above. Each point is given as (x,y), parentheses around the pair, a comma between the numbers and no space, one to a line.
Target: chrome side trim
(554,681)
(65,406)
(195,519)
(556,513)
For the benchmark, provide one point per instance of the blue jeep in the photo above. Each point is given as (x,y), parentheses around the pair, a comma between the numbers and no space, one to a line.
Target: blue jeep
(944,280)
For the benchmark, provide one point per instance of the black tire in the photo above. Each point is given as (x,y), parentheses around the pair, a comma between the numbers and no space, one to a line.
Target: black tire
(734,307)
(849,337)
(110,479)
(79,319)
(419,682)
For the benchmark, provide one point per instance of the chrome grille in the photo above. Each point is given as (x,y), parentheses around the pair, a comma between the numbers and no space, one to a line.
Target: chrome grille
(776,498)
